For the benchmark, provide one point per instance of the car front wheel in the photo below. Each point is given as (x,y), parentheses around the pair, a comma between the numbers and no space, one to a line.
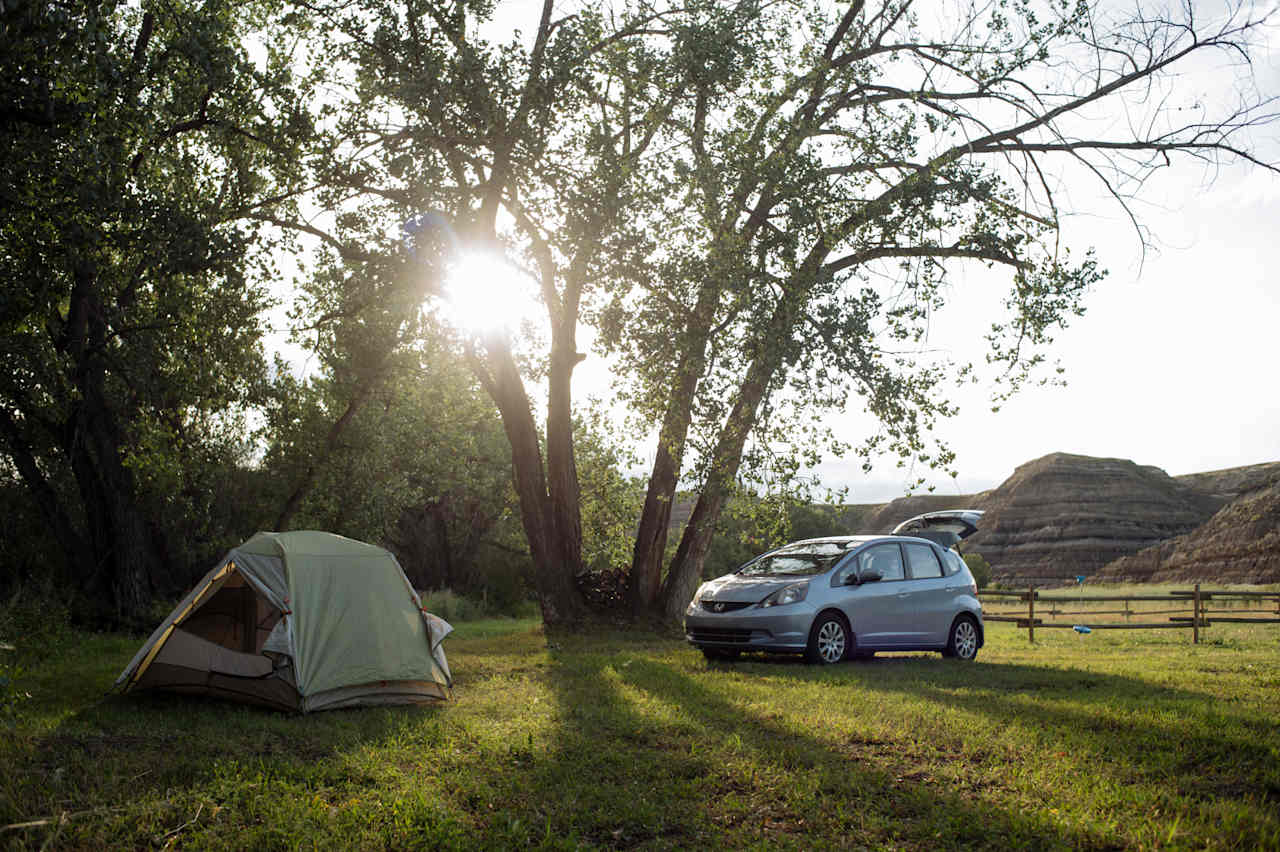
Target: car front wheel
(963,643)
(829,640)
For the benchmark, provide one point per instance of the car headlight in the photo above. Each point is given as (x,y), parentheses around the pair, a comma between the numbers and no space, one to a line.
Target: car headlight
(787,594)
(697,596)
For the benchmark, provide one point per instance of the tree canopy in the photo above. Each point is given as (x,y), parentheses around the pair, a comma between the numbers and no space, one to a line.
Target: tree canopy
(754,207)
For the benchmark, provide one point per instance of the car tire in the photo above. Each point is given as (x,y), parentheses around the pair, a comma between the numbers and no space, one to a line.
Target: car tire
(719,655)
(829,640)
(962,641)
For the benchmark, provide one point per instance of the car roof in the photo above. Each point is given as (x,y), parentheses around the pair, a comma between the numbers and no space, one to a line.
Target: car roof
(834,539)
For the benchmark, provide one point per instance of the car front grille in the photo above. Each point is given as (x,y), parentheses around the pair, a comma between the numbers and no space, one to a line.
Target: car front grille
(724,606)
(716,634)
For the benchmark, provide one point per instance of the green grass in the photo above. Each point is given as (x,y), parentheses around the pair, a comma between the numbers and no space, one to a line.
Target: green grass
(1118,740)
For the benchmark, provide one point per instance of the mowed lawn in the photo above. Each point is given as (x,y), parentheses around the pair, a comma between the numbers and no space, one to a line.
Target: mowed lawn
(1123,740)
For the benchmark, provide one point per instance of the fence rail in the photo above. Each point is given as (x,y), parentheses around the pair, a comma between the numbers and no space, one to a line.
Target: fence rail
(1200,617)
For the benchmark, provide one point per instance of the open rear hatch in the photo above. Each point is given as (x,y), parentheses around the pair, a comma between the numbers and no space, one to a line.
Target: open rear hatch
(946,527)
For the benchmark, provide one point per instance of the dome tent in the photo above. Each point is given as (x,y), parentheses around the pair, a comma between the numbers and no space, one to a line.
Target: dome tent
(299,621)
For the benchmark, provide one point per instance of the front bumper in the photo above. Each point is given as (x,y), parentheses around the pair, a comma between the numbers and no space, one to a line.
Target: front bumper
(782,628)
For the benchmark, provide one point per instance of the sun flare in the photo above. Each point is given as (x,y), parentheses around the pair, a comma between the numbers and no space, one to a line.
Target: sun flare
(485,293)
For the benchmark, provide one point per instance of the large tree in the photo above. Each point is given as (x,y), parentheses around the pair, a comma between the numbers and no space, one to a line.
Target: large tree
(836,185)
(511,148)
(757,203)
(136,135)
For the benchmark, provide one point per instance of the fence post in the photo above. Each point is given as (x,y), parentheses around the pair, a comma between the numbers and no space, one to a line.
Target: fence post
(1031,614)
(1195,616)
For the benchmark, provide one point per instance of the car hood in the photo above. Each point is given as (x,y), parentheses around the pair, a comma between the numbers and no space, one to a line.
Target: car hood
(741,588)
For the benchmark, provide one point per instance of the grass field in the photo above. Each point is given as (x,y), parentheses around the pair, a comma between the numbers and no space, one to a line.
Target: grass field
(1120,740)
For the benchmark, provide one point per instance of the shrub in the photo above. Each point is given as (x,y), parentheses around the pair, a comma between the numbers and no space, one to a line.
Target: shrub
(455,607)
(979,568)
(36,621)
(34,624)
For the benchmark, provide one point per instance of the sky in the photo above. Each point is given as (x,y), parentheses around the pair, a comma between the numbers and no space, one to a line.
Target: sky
(1174,363)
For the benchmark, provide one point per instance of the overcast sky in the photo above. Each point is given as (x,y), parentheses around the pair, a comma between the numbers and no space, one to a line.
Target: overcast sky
(1174,364)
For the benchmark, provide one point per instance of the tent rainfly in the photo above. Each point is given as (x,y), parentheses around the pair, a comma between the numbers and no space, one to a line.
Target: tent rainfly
(299,621)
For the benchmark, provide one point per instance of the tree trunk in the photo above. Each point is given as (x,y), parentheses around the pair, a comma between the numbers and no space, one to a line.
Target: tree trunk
(645,581)
(564,494)
(686,567)
(655,519)
(75,549)
(126,558)
(558,595)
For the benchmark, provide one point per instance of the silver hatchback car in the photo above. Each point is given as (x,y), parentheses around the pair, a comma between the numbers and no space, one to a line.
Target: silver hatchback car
(836,598)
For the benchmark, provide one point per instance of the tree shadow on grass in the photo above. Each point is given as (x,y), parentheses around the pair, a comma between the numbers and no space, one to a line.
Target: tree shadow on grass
(1124,729)
(130,768)
(137,760)
(646,754)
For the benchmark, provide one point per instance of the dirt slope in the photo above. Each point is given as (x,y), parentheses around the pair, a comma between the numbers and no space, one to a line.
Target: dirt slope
(1066,515)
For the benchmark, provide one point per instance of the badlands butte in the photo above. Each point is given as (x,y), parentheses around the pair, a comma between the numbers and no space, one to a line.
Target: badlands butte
(1112,520)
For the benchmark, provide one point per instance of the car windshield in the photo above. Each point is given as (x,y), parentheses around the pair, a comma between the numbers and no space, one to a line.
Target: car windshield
(804,559)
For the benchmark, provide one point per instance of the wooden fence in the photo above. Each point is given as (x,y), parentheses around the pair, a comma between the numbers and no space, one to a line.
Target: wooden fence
(1195,609)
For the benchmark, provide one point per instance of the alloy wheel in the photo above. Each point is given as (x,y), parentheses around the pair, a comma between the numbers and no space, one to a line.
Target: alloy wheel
(831,641)
(965,639)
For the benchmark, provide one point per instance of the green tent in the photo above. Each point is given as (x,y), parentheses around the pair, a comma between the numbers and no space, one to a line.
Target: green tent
(299,621)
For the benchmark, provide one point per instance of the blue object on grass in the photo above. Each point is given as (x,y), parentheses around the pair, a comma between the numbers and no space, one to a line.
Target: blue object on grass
(1080,628)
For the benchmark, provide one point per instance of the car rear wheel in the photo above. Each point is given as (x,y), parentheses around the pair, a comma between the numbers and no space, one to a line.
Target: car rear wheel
(829,640)
(963,641)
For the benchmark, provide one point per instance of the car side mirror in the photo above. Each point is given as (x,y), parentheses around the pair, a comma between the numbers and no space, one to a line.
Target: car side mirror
(871,575)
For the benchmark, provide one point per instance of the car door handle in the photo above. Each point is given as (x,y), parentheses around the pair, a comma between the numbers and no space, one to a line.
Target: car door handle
(904,594)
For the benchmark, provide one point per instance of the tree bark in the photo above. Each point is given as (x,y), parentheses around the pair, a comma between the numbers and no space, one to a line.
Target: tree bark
(554,581)
(75,549)
(686,567)
(126,557)
(644,586)
(655,518)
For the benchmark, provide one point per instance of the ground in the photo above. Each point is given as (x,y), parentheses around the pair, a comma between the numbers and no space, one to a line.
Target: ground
(1131,739)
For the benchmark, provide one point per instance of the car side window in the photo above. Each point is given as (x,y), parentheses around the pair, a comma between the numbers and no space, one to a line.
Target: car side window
(922,561)
(885,558)
(953,562)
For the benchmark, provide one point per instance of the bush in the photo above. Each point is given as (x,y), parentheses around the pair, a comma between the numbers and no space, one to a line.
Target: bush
(454,607)
(979,568)
(36,621)
(34,624)
(11,694)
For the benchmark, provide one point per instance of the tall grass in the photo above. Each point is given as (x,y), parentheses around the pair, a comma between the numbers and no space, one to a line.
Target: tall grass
(454,607)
